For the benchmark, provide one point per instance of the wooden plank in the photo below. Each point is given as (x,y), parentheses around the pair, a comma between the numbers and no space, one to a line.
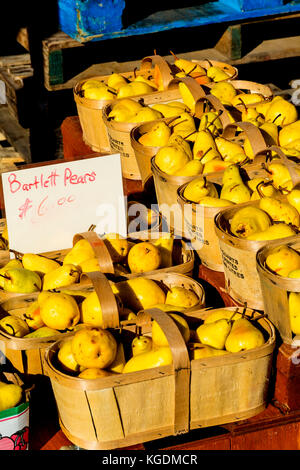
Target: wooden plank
(15,134)
(22,38)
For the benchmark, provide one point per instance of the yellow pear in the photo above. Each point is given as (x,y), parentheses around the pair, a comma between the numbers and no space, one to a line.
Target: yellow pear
(191,168)
(90,265)
(165,245)
(283,111)
(224,91)
(148,360)
(274,232)
(14,326)
(94,373)
(184,125)
(139,293)
(141,344)
(116,80)
(66,358)
(42,332)
(214,334)
(59,311)
(99,93)
(214,202)
(233,187)
(159,337)
(294,312)
(119,361)
(146,114)
(246,99)
(280,175)
(21,280)
(13,263)
(199,351)
(181,297)
(158,136)
(227,148)
(94,347)
(214,165)
(282,260)
(92,83)
(220,314)
(243,336)
(134,89)
(210,121)
(91,312)
(143,257)
(199,188)
(81,251)
(289,133)
(10,395)
(166,110)
(280,211)
(117,246)
(249,220)
(171,159)
(65,275)
(39,263)
(204,141)
(293,199)
(33,317)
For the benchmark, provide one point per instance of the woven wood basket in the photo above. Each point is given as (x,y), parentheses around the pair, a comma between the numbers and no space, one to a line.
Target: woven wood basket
(239,259)
(126,409)
(90,111)
(276,290)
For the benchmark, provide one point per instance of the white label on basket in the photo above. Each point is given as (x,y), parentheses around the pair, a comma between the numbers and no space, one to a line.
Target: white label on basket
(47,205)
(14,431)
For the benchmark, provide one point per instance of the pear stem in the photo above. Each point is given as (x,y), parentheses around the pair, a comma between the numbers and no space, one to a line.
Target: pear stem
(263,184)
(175,57)
(187,136)
(17,254)
(276,117)
(176,123)
(5,277)
(206,151)
(209,62)
(91,228)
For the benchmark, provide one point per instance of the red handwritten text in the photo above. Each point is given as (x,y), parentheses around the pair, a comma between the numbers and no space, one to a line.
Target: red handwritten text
(41,182)
(71,178)
(24,208)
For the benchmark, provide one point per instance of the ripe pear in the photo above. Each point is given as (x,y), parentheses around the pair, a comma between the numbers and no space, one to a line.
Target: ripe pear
(214,165)
(203,142)
(14,326)
(10,395)
(151,83)
(233,187)
(143,257)
(171,159)
(191,168)
(63,276)
(280,175)
(227,148)
(289,133)
(146,114)
(249,220)
(181,297)
(59,311)
(134,88)
(199,351)
(81,251)
(158,136)
(116,80)
(99,93)
(32,316)
(243,336)
(178,141)
(211,122)
(274,232)
(159,337)
(139,293)
(220,314)
(148,360)
(209,201)
(94,347)
(13,263)
(90,265)
(282,260)
(294,312)
(224,91)
(141,344)
(280,211)
(119,361)
(216,73)
(270,133)
(92,83)
(214,334)
(283,111)
(247,98)
(91,312)
(199,188)
(166,110)
(293,199)
(184,125)
(117,246)
(187,96)
(38,263)
(165,245)
(42,332)
(66,357)
(21,280)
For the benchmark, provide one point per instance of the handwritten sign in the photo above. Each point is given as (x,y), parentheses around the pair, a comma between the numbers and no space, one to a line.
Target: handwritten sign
(45,206)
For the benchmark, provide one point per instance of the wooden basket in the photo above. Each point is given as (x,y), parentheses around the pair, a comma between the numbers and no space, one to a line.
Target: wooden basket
(276,290)
(27,354)
(4,254)
(239,259)
(90,111)
(132,408)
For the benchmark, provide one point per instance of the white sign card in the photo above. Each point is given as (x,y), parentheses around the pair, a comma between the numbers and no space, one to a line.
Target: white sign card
(47,205)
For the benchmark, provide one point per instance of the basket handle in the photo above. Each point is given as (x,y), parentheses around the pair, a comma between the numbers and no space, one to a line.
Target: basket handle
(164,67)
(217,105)
(259,88)
(107,299)
(100,249)
(254,135)
(181,364)
(291,166)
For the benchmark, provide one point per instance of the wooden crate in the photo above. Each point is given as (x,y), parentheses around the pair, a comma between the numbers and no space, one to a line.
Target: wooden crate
(182,400)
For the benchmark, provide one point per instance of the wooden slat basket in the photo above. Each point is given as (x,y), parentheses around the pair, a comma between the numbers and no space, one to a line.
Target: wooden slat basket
(276,291)
(126,409)
(90,111)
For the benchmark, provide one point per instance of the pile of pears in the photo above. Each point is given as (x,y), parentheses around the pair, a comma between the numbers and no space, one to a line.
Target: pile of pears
(212,73)
(93,352)
(4,243)
(118,86)
(59,311)
(285,261)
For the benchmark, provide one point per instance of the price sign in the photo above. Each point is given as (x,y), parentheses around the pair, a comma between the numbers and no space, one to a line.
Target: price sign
(45,206)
